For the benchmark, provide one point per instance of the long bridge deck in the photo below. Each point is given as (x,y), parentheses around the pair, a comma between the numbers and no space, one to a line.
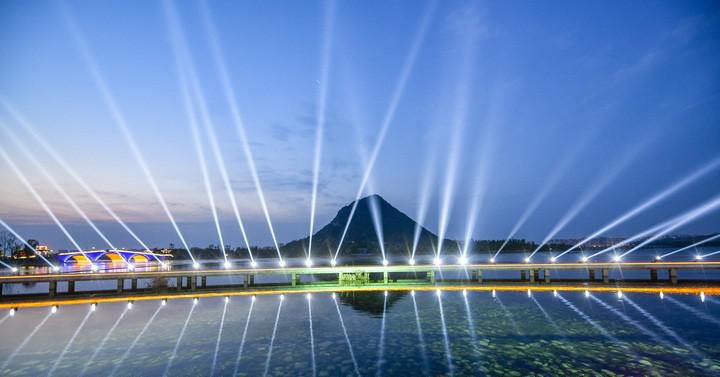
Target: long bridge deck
(193,282)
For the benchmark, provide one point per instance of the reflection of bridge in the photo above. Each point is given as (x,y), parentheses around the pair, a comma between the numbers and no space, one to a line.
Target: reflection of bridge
(110,256)
(169,282)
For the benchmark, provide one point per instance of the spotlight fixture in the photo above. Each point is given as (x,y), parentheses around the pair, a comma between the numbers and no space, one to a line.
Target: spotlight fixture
(584,259)
(463,260)
(282,297)
(464,292)
(438,292)
(619,294)
(411,262)
(587,293)
(12,311)
(529,293)
(412,293)
(494,293)
(698,257)
(14,269)
(553,260)
(308,262)
(226,264)
(195,301)
(227,299)
(253,298)
(385,293)
(555,293)
(282,263)
(196,265)
(163,302)
(662,295)
(308,296)
(253,264)
(334,296)
(617,258)
(437,261)
(55,268)
(658,257)
(527,260)
(94,267)
(385,262)
(492,260)
(333,262)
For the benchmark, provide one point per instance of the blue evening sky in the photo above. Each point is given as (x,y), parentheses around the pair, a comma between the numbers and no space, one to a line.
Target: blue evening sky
(549,99)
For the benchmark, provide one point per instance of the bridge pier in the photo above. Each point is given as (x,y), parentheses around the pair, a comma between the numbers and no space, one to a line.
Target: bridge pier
(653,275)
(178,283)
(203,282)
(120,285)
(547,276)
(133,284)
(591,274)
(193,283)
(385,277)
(1,289)
(522,275)
(606,275)
(431,276)
(53,288)
(249,280)
(295,279)
(71,286)
(673,276)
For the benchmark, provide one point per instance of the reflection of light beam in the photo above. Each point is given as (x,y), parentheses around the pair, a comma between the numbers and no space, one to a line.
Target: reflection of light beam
(320,115)
(40,200)
(61,190)
(174,352)
(508,315)
(49,149)
(691,246)
(421,338)
(119,118)
(471,323)
(633,322)
(14,233)
(665,329)
(219,337)
(69,344)
(390,114)
(446,340)
(694,311)
(272,338)
(312,335)
(347,338)
(219,60)
(135,341)
(692,215)
(547,316)
(244,336)
(185,70)
(648,203)
(102,342)
(25,341)
(381,347)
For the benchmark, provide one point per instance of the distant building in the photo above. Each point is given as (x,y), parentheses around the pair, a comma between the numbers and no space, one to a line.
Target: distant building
(27,253)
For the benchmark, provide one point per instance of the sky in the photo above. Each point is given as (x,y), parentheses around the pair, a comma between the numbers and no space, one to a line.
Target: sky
(513,111)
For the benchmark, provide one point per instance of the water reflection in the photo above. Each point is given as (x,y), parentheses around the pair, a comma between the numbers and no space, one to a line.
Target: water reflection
(468,333)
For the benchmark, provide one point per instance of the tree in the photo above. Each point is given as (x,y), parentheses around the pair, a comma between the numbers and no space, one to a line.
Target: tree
(8,243)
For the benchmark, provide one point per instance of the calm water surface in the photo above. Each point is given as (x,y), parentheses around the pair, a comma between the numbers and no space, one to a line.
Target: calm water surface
(403,333)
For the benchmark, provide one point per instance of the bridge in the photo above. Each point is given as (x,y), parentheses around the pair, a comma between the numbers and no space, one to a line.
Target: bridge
(177,282)
(92,256)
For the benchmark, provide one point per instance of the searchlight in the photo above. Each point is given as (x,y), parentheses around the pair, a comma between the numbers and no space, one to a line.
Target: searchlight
(584,259)
(129,305)
(163,302)
(412,293)
(464,292)
(437,261)
(282,263)
(253,264)
(308,262)
(617,259)
(195,301)
(463,260)
(385,293)
(227,299)
(587,293)
(385,262)
(658,257)
(333,262)
(334,296)
(527,260)
(555,293)
(553,260)
(196,265)
(55,268)
(619,294)
(14,269)
(698,257)
(308,296)
(662,295)
(94,267)
(282,297)
(438,292)
(227,265)
(411,262)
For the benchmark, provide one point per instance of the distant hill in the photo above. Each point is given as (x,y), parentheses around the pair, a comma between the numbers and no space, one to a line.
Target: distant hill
(398,231)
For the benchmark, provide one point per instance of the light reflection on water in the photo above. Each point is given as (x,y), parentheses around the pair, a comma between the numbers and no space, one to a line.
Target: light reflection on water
(539,334)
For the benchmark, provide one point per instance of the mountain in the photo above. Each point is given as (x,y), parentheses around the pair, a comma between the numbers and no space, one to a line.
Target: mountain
(361,238)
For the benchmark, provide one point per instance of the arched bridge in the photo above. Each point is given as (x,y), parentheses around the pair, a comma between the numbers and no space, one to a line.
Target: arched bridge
(91,256)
